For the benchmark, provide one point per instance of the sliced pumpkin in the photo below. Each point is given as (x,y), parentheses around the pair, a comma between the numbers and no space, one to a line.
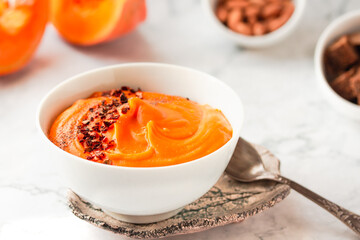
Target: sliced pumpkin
(88,22)
(13,20)
(22,25)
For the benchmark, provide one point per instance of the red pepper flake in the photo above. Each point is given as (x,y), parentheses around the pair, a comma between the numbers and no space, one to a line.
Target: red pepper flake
(96,128)
(111,145)
(100,119)
(115,92)
(124,110)
(88,149)
(100,155)
(116,103)
(115,117)
(107,123)
(107,161)
(123,98)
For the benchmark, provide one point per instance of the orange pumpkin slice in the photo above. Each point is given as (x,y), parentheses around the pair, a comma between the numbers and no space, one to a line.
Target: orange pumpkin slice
(22,25)
(89,22)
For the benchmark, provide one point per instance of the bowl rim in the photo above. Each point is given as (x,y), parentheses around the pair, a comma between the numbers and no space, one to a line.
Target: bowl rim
(138,64)
(322,43)
(266,39)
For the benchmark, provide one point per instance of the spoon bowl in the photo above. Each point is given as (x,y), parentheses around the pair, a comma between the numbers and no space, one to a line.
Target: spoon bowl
(246,164)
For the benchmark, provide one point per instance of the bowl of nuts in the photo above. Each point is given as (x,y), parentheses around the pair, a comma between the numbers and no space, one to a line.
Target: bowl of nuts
(337,64)
(255,23)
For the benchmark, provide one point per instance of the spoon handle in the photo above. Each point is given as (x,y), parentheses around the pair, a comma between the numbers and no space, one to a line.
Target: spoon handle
(352,220)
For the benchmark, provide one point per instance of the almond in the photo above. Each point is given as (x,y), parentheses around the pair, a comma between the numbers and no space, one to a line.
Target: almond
(259,29)
(259,3)
(222,13)
(236,4)
(252,11)
(271,10)
(243,28)
(234,17)
(276,23)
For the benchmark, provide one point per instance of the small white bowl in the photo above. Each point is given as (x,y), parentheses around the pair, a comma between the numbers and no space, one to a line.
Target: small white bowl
(256,41)
(348,23)
(143,195)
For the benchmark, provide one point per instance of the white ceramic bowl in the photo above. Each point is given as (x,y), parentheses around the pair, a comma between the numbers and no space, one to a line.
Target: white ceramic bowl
(347,23)
(143,195)
(256,41)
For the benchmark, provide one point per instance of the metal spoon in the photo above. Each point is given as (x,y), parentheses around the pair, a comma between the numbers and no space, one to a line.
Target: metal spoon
(246,166)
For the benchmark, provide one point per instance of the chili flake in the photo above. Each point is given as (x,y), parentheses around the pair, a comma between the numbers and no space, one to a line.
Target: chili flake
(100,119)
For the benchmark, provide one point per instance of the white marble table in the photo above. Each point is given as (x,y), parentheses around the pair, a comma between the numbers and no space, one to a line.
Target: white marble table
(284,112)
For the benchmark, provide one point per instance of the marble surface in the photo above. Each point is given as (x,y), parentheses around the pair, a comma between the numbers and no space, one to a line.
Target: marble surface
(284,112)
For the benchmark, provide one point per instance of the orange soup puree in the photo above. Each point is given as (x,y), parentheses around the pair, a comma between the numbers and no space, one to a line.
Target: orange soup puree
(131,128)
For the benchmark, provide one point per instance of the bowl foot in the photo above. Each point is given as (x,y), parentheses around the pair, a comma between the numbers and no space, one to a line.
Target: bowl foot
(142,219)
